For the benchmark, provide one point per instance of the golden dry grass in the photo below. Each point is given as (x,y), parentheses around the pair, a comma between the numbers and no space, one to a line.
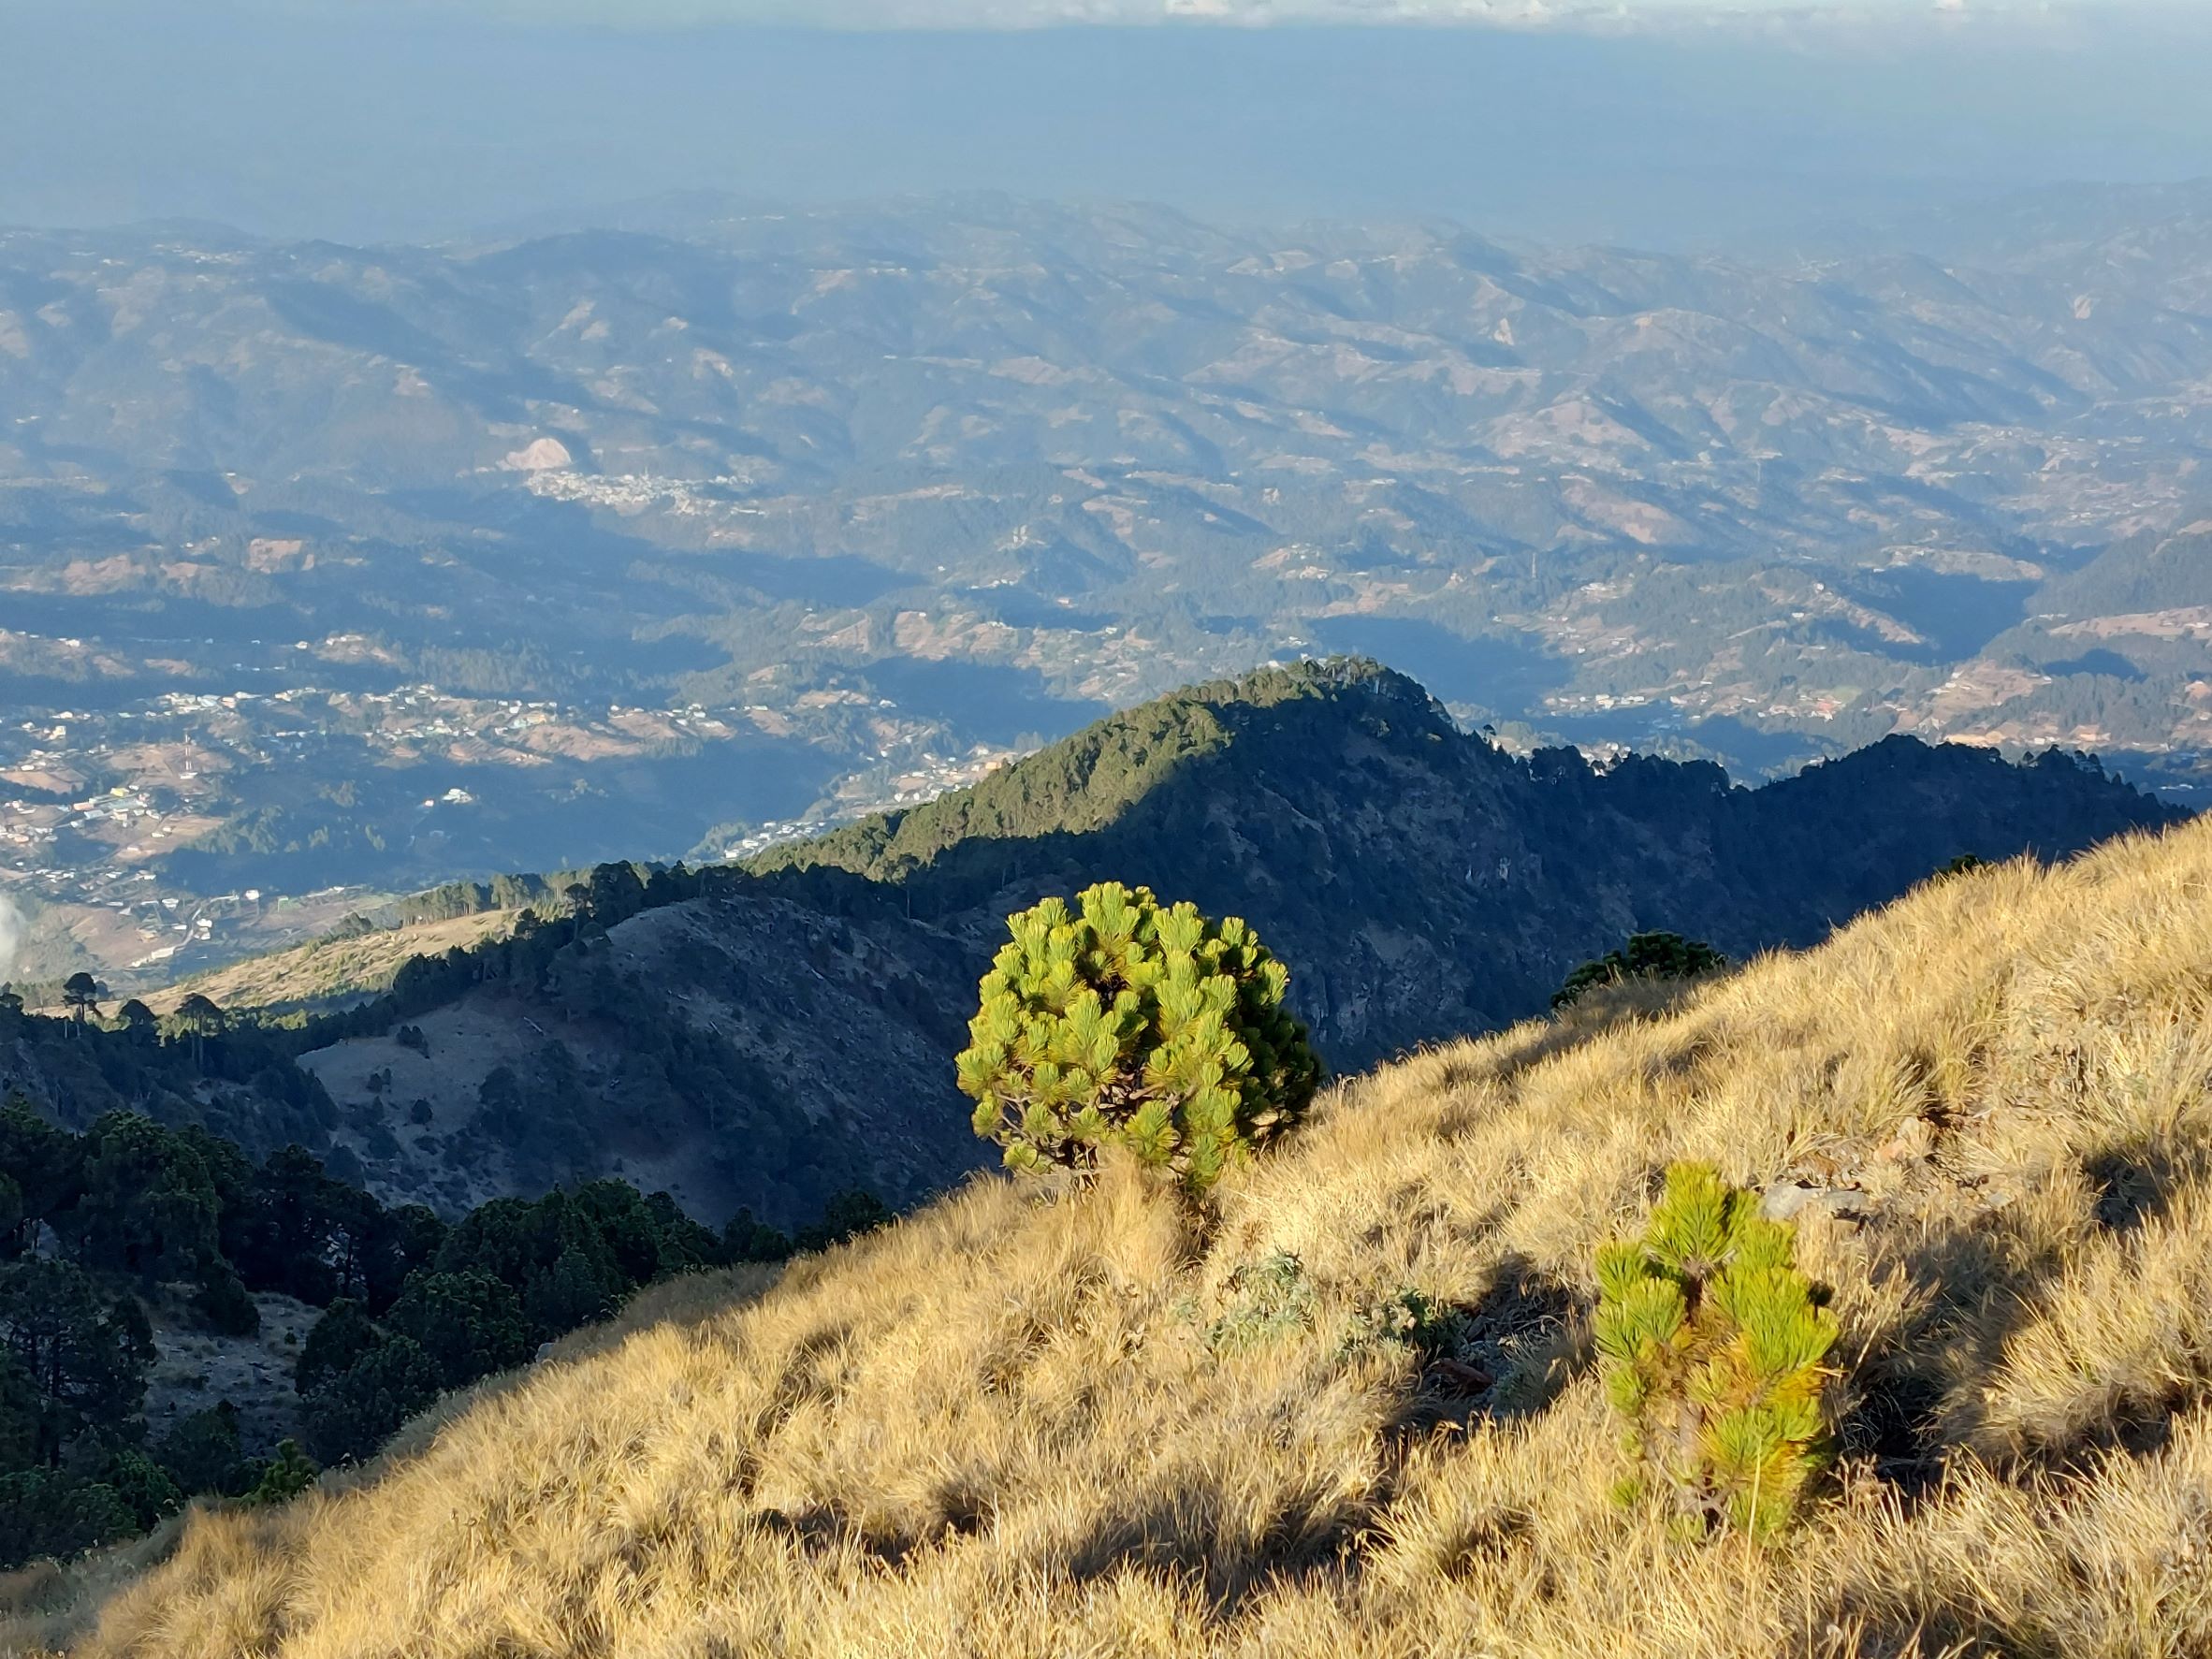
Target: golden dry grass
(1098,1426)
(333,969)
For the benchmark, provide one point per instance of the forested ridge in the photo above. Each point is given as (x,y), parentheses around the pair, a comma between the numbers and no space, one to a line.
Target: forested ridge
(99,1229)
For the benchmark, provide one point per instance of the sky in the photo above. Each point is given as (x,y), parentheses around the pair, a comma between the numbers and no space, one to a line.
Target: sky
(1661,123)
(959,14)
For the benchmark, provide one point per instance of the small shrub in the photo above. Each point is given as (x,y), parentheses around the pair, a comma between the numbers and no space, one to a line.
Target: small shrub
(1266,1298)
(342,1335)
(283,1477)
(1645,956)
(845,1215)
(471,1324)
(52,1512)
(745,1239)
(222,1303)
(1711,1343)
(1124,1022)
(142,1486)
(201,1452)
(355,1412)
(1430,1329)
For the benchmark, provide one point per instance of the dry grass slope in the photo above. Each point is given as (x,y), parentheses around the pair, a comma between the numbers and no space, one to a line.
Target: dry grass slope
(1094,1426)
(329,970)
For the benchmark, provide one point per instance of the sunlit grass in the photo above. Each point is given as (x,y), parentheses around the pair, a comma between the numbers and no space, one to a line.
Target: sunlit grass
(1011,1426)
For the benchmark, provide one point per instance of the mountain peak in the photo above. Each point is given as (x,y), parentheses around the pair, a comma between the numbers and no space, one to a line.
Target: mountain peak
(1085,781)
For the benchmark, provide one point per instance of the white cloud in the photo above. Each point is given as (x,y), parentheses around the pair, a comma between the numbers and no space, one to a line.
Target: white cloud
(12,928)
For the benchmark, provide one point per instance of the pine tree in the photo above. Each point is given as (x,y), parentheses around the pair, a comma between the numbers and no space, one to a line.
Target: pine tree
(80,996)
(1711,1343)
(569,1293)
(1645,956)
(284,1476)
(199,1018)
(1125,1023)
(139,1023)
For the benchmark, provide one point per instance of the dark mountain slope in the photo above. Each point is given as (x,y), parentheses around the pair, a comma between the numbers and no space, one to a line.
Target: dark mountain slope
(762,1035)
(1421,881)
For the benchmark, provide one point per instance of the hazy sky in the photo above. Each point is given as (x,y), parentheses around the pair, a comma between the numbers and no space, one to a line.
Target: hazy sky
(1659,122)
(1576,14)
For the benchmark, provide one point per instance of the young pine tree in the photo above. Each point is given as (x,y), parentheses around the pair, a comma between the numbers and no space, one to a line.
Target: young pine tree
(1711,1343)
(1122,1022)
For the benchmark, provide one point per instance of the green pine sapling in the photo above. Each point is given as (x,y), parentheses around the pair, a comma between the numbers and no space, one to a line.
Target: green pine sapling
(1712,1344)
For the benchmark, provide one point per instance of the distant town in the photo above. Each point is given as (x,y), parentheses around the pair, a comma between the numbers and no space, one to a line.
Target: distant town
(102,804)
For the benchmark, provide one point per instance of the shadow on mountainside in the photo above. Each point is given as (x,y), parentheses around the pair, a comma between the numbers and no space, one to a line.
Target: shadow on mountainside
(1185,1531)
(1507,1354)
(1593,1019)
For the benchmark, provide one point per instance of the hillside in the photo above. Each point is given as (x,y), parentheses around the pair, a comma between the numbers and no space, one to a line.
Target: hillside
(338,967)
(1352,1411)
(787,1030)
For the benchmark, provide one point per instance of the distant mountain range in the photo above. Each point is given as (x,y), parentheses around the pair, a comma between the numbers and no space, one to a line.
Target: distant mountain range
(764,1036)
(377,566)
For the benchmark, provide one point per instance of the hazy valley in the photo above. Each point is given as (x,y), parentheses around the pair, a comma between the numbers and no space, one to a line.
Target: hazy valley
(327,573)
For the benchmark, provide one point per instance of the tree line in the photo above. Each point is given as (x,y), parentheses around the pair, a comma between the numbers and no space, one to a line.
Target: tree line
(99,1226)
